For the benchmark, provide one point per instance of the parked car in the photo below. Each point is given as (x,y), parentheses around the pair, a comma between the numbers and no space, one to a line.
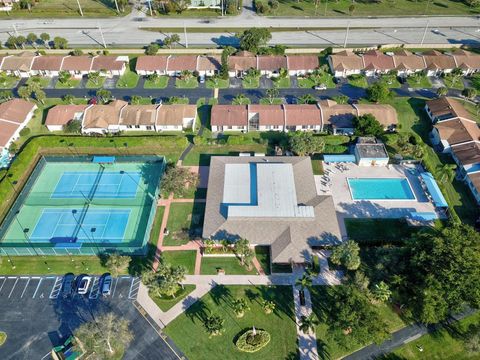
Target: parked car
(82,284)
(67,284)
(321,87)
(402,79)
(106,284)
(201,79)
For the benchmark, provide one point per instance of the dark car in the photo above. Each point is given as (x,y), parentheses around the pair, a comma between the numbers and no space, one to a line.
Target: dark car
(67,284)
(106,284)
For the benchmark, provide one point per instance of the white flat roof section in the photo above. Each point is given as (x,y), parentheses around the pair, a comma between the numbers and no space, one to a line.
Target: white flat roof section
(274,187)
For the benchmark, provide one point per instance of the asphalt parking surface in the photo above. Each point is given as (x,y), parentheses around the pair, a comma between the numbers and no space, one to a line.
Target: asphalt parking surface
(37,317)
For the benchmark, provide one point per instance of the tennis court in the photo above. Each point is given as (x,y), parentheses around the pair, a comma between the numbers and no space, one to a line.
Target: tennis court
(76,204)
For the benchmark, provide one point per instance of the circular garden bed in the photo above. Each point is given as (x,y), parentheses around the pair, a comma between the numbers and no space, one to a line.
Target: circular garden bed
(251,341)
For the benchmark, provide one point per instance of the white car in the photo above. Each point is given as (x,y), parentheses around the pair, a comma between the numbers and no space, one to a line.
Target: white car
(321,87)
(83,283)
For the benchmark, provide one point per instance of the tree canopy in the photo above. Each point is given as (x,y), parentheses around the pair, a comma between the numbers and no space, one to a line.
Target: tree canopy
(367,125)
(347,254)
(305,143)
(378,92)
(253,39)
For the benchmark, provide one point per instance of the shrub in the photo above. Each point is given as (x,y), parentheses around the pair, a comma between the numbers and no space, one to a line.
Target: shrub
(25,131)
(250,342)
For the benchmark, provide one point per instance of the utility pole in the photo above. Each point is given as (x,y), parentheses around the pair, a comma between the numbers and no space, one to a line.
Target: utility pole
(150,7)
(346,35)
(425,33)
(101,34)
(79,7)
(116,5)
(185,33)
(222,4)
(326,4)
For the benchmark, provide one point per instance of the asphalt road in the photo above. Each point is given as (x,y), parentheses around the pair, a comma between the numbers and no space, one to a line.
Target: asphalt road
(36,317)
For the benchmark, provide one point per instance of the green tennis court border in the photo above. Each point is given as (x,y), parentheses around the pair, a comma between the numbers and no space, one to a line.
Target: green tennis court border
(143,222)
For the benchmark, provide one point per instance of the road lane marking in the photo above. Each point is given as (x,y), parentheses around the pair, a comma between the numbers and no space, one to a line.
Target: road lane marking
(4,281)
(38,286)
(25,288)
(114,286)
(15,284)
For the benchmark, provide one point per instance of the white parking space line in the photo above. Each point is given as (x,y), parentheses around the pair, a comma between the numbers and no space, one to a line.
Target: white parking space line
(114,286)
(135,284)
(95,289)
(25,288)
(36,290)
(15,284)
(56,288)
(3,283)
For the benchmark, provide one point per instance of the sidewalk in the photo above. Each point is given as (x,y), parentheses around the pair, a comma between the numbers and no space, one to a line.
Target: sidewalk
(307,343)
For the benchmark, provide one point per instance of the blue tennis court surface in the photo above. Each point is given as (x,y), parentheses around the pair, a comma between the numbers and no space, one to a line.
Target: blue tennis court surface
(73,184)
(76,225)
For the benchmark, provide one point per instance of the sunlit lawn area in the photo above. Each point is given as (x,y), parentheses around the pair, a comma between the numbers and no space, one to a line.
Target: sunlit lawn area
(43,81)
(185,258)
(442,344)
(160,83)
(8,82)
(309,83)
(231,266)
(275,101)
(188,331)
(218,83)
(165,303)
(249,82)
(190,83)
(282,83)
(70,84)
(419,82)
(90,84)
(358,81)
(184,220)
(390,80)
(449,83)
(128,80)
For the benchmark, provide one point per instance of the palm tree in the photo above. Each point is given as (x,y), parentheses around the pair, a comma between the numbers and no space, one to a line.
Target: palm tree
(442,91)
(446,172)
(117,263)
(94,77)
(45,38)
(240,305)
(305,282)
(105,336)
(272,93)
(308,323)
(268,306)
(240,99)
(64,76)
(381,292)
(214,325)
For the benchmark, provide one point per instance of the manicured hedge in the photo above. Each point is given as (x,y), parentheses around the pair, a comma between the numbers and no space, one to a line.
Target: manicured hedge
(249,342)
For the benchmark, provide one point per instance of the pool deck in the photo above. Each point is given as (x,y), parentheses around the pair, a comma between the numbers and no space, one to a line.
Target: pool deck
(346,207)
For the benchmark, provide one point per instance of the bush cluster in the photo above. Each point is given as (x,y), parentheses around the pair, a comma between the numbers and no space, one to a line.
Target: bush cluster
(250,342)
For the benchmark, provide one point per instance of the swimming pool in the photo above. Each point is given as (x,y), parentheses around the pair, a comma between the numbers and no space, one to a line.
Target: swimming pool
(380,189)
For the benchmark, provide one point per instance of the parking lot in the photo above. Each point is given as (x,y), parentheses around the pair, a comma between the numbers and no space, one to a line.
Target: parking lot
(36,316)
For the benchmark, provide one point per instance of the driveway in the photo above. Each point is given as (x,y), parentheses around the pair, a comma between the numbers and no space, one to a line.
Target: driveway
(36,317)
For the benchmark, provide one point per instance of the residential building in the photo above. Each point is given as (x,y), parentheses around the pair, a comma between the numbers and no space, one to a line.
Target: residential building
(147,65)
(345,63)
(338,118)
(302,64)
(385,114)
(376,62)
(137,118)
(271,201)
(103,119)
(7,5)
(176,117)
(18,65)
(304,117)
(60,115)
(229,118)
(438,63)
(445,108)
(266,118)
(110,65)
(47,65)
(370,152)
(467,61)
(78,66)
(14,116)
(407,63)
(209,65)
(205,4)
(177,64)
(270,65)
(447,133)
(240,63)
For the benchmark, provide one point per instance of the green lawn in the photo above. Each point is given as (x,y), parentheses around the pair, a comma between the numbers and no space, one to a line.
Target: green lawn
(184,221)
(66,8)
(42,81)
(280,324)
(250,83)
(165,303)
(447,79)
(474,113)
(308,82)
(390,80)
(305,83)
(263,256)
(160,83)
(358,81)
(128,80)
(92,85)
(276,101)
(220,83)
(200,154)
(327,340)
(191,193)
(378,231)
(70,84)
(282,83)
(398,8)
(420,82)
(317,166)
(157,224)
(8,82)
(185,258)
(442,344)
(191,83)
(231,266)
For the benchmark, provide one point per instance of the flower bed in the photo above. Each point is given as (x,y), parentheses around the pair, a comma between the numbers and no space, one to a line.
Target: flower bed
(252,341)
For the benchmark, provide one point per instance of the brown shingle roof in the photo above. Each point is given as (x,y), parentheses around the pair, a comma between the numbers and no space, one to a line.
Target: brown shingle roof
(268,114)
(302,62)
(435,60)
(77,63)
(377,60)
(337,115)
(405,60)
(466,60)
(107,62)
(210,62)
(101,116)
(346,60)
(446,107)
(475,179)
(62,114)
(7,130)
(467,154)
(385,114)
(152,63)
(15,110)
(138,115)
(242,63)
(22,62)
(174,114)
(229,115)
(48,62)
(297,115)
(182,62)
(457,131)
(271,62)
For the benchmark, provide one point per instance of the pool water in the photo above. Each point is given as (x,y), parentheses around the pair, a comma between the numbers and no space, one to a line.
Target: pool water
(380,189)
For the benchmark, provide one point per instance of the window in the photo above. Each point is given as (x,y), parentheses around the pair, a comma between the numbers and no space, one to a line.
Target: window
(276,127)
(129,126)
(304,127)
(268,127)
(137,126)
(149,127)
(229,127)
